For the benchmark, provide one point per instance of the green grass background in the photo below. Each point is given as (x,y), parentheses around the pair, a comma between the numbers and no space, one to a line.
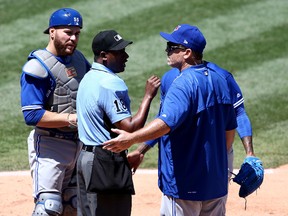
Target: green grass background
(247,37)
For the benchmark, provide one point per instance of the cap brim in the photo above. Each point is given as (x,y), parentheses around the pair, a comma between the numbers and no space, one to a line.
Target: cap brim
(46,31)
(168,37)
(121,45)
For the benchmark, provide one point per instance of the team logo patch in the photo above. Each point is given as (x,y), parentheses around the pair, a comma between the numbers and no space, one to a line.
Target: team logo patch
(117,37)
(71,72)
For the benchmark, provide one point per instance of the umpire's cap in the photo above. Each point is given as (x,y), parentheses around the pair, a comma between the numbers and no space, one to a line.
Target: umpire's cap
(188,36)
(64,17)
(108,40)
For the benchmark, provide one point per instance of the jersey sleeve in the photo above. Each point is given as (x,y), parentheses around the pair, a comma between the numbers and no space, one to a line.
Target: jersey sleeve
(235,91)
(115,100)
(244,127)
(33,91)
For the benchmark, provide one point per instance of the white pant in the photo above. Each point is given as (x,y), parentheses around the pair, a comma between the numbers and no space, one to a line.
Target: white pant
(52,162)
(178,207)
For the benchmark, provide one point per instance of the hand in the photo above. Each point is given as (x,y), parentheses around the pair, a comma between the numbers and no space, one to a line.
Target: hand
(122,142)
(152,85)
(135,158)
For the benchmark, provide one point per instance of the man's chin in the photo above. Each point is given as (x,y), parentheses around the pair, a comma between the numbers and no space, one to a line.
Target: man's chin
(69,51)
(169,64)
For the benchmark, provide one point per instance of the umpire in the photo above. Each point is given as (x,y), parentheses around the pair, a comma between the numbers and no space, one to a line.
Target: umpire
(104,178)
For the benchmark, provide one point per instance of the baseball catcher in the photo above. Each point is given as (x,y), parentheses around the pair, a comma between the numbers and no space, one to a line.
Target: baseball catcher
(250,176)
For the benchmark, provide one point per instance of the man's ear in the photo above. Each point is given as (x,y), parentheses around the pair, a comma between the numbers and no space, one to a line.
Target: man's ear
(103,55)
(188,53)
(52,33)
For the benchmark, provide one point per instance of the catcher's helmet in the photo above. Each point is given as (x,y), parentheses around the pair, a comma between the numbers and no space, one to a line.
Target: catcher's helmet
(65,17)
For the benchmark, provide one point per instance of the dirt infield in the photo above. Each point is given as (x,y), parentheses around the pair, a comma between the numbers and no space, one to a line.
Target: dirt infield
(270,199)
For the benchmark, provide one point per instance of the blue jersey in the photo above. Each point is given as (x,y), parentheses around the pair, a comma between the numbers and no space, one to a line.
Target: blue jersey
(102,100)
(193,157)
(244,125)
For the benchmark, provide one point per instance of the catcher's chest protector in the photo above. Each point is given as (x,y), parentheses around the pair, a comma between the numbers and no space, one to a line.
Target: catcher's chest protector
(67,78)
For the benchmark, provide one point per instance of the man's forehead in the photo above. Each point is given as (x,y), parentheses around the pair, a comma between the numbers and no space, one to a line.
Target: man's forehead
(69,28)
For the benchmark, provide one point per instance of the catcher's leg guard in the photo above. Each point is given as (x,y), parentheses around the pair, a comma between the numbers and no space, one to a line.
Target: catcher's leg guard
(70,201)
(48,204)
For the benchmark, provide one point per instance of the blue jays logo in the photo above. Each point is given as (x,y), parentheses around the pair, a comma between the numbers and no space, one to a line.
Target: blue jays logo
(71,72)
(177,27)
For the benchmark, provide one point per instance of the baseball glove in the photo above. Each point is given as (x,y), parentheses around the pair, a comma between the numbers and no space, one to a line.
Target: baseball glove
(250,176)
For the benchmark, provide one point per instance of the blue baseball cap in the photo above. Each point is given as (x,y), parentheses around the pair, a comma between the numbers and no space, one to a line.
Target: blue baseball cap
(188,36)
(64,17)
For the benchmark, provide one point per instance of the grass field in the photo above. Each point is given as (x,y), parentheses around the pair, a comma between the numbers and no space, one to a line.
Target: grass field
(247,37)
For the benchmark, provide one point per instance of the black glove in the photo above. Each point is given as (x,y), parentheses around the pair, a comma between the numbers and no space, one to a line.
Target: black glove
(250,176)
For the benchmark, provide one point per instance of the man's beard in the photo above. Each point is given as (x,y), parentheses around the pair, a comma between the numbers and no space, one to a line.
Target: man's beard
(62,48)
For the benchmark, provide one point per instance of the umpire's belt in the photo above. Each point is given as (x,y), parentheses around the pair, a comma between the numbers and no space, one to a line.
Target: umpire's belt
(56,134)
(91,148)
